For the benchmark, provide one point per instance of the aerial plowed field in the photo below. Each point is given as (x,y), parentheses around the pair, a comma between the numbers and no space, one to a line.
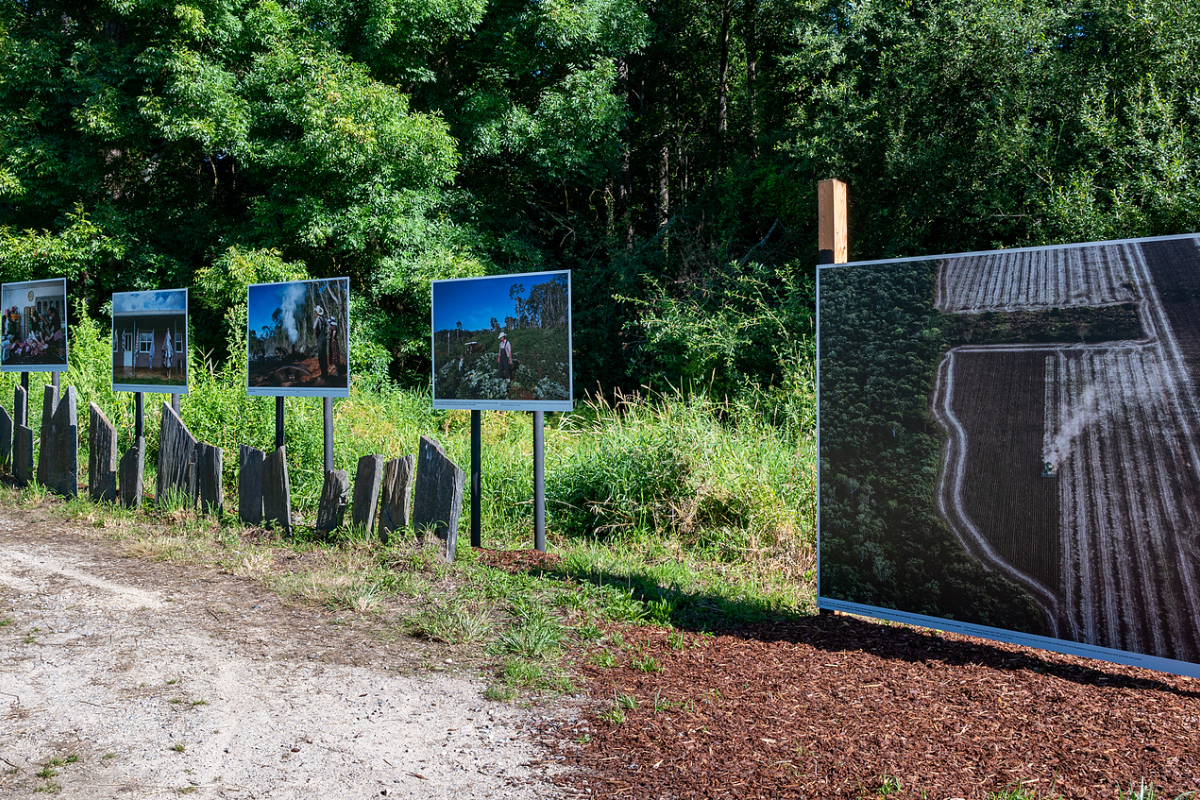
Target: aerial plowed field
(1174,266)
(1129,505)
(1116,537)
(1003,491)
(1035,280)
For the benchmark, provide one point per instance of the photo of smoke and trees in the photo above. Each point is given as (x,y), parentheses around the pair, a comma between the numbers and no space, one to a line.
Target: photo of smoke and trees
(1013,439)
(296,338)
(503,338)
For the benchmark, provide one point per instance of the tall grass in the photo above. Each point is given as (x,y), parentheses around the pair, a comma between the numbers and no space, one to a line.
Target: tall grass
(671,496)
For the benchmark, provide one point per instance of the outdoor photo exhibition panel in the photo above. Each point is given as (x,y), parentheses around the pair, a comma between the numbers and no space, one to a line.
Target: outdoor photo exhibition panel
(297,338)
(149,341)
(503,342)
(1009,446)
(34,335)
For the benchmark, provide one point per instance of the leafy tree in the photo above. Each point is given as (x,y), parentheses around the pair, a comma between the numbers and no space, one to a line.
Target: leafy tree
(180,131)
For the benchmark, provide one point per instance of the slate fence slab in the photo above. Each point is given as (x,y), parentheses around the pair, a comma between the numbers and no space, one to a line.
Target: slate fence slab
(131,485)
(58,459)
(395,495)
(102,456)
(176,460)
(367,480)
(437,502)
(250,485)
(276,491)
(335,494)
(6,440)
(209,462)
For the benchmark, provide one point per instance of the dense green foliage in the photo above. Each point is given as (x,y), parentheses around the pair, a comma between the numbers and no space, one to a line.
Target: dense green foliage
(883,541)
(733,491)
(664,150)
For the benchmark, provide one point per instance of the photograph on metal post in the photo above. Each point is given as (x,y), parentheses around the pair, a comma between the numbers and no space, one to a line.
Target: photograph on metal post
(503,342)
(1010,446)
(150,341)
(35,326)
(297,338)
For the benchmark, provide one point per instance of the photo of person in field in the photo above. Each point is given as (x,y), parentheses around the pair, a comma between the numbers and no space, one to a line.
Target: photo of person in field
(503,341)
(33,336)
(149,341)
(296,338)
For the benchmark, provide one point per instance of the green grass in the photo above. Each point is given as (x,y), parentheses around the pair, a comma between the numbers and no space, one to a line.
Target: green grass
(669,510)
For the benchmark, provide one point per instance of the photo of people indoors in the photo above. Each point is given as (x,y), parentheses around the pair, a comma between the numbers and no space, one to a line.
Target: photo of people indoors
(297,338)
(502,338)
(150,341)
(34,330)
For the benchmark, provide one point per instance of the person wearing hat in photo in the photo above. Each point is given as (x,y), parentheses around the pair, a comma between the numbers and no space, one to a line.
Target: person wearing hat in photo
(321,329)
(504,356)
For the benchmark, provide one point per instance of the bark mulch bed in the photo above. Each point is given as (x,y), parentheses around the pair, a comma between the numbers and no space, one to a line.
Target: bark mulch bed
(837,706)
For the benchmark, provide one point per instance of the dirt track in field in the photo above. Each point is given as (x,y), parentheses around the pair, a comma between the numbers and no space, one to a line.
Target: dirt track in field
(1121,424)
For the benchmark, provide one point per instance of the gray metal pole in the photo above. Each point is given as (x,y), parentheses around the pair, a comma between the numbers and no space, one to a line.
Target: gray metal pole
(24,415)
(54,379)
(476,478)
(139,417)
(327,412)
(539,483)
(175,404)
(278,422)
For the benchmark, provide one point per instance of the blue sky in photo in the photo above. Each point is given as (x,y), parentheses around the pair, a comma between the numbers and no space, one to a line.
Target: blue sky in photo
(141,302)
(474,301)
(265,298)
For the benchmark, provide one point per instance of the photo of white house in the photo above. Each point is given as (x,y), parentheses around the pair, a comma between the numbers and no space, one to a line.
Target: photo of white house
(150,341)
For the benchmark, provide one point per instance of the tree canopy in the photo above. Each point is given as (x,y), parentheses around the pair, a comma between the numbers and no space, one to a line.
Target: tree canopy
(666,151)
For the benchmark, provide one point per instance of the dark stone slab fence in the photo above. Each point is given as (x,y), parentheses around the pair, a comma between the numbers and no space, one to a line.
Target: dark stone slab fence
(189,471)
(420,493)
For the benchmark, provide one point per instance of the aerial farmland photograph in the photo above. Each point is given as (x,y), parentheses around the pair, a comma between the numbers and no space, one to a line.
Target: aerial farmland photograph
(1012,439)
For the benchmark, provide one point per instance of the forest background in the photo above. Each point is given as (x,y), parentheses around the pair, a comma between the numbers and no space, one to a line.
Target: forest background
(665,152)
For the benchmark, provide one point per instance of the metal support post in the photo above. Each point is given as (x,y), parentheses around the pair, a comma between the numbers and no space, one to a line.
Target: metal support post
(327,413)
(476,478)
(278,422)
(539,482)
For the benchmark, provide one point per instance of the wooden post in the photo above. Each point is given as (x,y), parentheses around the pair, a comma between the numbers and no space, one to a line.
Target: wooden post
(833,232)
(833,238)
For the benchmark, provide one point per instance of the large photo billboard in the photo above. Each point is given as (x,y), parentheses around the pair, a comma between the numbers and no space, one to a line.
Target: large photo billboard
(297,338)
(149,341)
(1009,446)
(33,337)
(503,342)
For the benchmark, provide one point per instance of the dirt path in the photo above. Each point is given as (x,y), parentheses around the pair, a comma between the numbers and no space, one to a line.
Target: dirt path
(163,680)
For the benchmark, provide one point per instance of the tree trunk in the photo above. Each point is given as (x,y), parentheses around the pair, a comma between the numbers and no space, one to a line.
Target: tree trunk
(624,179)
(723,76)
(664,191)
(751,10)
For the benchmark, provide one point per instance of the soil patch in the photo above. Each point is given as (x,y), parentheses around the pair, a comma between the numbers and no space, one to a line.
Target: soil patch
(121,677)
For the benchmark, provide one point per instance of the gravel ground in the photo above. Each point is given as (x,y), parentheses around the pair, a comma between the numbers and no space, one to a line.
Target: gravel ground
(162,681)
